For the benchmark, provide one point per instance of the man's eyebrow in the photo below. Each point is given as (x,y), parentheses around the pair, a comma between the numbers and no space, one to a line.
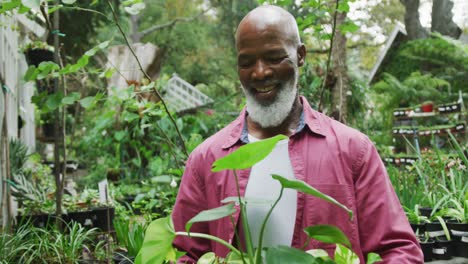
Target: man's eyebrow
(274,51)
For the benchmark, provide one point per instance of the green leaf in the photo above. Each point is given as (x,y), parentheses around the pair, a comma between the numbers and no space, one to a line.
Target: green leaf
(71,98)
(210,215)
(327,234)
(68,2)
(305,188)
(247,155)
(318,253)
(343,7)
(325,36)
(162,179)
(30,74)
(31,3)
(87,102)
(119,135)
(348,26)
(373,258)
(283,254)
(344,255)
(207,258)
(7,6)
(54,101)
(129,117)
(54,8)
(157,245)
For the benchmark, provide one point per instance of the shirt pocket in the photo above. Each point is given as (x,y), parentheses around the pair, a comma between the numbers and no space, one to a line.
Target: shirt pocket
(320,212)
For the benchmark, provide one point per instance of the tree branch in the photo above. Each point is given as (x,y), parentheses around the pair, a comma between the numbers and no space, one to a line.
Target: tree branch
(352,46)
(169,24)
(329,56)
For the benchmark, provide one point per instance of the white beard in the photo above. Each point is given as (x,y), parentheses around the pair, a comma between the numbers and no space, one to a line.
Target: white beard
(274,114)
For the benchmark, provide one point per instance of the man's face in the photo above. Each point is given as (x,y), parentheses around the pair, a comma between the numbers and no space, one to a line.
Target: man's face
(266,62)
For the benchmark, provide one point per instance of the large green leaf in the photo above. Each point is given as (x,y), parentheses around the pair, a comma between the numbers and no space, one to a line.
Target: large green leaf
(247,155)
(283,254)
(157,246)
(210,215)
(305,188)
(327,234)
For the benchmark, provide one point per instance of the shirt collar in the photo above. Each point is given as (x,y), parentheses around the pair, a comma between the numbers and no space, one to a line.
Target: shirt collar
(239,126)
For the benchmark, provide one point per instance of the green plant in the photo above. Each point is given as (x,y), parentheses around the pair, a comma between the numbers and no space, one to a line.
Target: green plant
(130,235)
(160,233)
(72,243)
(18,156)
(414,217)
(33,245)
(37,45)
(444,227)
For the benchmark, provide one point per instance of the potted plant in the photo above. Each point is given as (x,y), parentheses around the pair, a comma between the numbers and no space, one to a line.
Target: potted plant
(427,246)
(443,248)
(417,220)
(37,52)
(95,214)
(427,107)
(458,226)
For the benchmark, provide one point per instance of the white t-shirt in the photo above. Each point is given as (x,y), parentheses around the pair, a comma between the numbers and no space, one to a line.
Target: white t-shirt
(262,191)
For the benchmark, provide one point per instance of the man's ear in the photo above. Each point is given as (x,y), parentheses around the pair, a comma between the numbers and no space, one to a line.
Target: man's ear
(301,54)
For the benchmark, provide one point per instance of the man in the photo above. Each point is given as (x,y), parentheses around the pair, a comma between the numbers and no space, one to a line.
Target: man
(326,154)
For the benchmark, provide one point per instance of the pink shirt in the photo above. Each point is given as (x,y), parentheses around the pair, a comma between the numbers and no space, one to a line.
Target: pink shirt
(335,159)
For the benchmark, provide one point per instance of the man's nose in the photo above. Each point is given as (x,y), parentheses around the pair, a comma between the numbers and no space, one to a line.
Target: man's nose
(261,71)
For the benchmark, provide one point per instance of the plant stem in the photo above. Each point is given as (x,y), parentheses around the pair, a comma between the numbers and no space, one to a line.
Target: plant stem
(329,56)
(236,235)
(210,237)
(116,20)
(258,254)
(245,223)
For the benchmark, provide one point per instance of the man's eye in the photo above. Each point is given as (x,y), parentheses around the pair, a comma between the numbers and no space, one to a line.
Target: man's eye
(276,60)
(244,63)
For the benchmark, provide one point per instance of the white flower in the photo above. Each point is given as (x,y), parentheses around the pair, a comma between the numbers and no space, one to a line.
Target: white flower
(173,183)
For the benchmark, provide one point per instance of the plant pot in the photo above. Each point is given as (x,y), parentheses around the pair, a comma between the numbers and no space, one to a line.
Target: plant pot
(36,56)
(97,217)
(443,249)
(427,248)
(425,211)
(418,228)
(48,130)
(435,230)
(460,238)
(427,107)
(39,220)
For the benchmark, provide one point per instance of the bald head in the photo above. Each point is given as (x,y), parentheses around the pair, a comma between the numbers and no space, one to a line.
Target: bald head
(269,16)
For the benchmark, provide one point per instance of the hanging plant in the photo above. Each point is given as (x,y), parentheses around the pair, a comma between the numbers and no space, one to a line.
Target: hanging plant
(37,52)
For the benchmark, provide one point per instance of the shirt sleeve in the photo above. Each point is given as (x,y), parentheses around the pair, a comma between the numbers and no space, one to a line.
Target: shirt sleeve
(190,201)
(383,226)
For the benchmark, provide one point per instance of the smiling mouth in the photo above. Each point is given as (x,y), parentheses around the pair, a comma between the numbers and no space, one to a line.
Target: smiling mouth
(265,89)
